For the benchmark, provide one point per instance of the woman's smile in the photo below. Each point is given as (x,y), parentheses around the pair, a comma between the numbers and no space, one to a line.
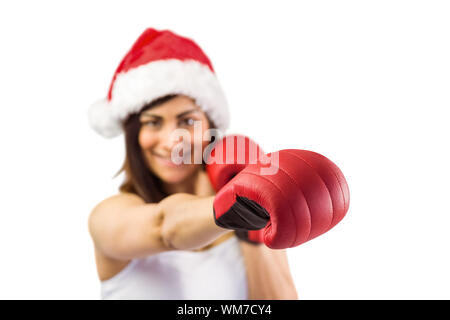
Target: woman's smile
(166,161)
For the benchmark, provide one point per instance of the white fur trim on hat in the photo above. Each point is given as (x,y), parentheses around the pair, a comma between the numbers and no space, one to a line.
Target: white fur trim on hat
(139,86)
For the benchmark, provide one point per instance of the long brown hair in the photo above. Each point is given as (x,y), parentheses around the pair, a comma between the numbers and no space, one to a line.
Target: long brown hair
(139,178)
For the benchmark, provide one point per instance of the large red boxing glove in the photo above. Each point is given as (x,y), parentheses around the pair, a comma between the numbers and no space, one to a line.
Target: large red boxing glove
(305,198)
(230,156)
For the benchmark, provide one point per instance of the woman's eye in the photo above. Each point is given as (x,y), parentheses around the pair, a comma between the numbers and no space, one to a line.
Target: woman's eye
(188,121)
(151,123)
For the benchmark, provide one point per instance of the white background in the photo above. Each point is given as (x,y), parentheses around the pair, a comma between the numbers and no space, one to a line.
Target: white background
(365,83)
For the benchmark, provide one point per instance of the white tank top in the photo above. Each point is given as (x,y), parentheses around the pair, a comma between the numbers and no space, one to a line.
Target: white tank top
(218,273)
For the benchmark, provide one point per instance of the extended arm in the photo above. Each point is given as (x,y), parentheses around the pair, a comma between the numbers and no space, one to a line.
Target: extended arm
(124,227)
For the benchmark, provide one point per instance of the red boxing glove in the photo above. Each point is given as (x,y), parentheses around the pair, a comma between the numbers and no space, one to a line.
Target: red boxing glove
(305,198)
(230,156)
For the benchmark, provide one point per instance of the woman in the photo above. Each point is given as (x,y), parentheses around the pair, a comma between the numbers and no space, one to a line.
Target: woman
(157,239)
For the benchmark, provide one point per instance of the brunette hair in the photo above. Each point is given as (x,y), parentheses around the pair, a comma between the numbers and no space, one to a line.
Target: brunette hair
(139,178)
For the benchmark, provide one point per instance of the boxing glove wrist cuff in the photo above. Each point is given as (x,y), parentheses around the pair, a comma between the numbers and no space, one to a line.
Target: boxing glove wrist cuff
(244,236)
(244,214)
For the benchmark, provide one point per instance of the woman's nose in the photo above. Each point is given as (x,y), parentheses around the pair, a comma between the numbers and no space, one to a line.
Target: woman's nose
(168,138)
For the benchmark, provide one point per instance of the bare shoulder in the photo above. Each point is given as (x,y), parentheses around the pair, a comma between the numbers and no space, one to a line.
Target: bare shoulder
(123,226)
(110,207)
(119,200)
(102,217)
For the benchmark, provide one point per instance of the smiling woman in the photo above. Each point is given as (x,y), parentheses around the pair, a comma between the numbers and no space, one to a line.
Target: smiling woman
(148,146)
(158,142)
(157,238)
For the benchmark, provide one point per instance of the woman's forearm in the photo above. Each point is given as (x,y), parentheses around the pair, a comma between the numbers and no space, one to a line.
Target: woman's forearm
(188,221)
(268,273)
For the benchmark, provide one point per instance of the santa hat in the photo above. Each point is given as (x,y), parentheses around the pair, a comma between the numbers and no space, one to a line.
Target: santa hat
(159,63)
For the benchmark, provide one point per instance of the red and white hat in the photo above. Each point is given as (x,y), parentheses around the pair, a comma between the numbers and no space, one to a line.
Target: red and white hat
(159,63)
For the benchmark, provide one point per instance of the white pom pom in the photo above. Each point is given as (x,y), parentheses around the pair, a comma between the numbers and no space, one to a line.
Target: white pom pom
(101,119)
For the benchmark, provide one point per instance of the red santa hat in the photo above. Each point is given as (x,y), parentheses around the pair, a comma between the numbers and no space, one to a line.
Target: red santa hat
(159,63)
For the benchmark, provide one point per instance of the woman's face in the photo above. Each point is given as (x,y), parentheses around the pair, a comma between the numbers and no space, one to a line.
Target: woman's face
(157,126)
